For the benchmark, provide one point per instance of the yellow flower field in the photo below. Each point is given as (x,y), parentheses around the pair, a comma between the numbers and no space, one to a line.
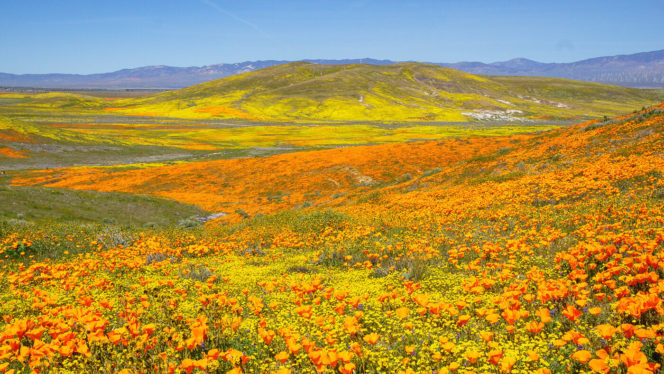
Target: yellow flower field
(538,253)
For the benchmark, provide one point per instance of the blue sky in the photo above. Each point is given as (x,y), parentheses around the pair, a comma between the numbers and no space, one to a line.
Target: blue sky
(94,36)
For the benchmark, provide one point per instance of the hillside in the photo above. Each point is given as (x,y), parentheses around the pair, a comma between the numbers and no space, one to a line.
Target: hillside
(538,253)
(271,184)
(405,92)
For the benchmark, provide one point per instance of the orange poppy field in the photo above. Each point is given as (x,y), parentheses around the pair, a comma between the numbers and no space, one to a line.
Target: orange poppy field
(526,253)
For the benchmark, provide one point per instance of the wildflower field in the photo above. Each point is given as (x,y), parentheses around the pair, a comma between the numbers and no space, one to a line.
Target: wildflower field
(523,253)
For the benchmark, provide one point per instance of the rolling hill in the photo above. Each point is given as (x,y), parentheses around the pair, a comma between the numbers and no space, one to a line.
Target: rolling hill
(404,92)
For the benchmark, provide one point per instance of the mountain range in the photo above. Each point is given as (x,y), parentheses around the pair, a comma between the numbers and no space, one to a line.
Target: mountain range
(641,70)
(154,77)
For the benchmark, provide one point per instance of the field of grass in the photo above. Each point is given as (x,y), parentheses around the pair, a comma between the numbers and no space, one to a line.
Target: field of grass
(39,205)
(524,253)
(33,142)
(210,138)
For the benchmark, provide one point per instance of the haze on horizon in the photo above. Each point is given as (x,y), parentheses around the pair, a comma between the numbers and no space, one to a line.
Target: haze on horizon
(86,37)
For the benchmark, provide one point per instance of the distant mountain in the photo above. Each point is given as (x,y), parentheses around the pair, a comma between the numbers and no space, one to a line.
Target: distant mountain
(641,70)
(143,77)
(155,76)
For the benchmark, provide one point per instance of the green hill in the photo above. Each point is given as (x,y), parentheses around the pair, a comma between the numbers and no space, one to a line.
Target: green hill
(305,92)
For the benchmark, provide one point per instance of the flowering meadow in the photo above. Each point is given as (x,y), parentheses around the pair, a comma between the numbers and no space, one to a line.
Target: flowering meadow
(534,253)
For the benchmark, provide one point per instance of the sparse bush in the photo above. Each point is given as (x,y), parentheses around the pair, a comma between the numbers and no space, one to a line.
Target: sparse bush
(111,237)
(299,269)
(593,126)
(405,178)
(415,271)
(196,272)
(254,250)
(190,223)
(329,259)
(379,272)
(151,225)
(242,213)
(19,222)
(433,171)
(317,221)
(658,193)
(154,258)
(370,197)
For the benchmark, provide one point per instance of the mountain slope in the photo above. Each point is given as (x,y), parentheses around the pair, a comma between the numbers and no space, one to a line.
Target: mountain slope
(644,70)
(391,93)
(142,77)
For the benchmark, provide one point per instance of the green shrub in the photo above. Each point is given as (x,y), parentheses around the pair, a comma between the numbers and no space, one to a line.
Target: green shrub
(190,223)
(318,221)
(433,171)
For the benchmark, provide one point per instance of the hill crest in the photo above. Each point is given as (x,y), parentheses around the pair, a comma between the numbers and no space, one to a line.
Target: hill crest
(402,92)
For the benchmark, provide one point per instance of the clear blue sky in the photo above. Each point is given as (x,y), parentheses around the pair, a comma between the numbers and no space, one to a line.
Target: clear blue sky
(93,36)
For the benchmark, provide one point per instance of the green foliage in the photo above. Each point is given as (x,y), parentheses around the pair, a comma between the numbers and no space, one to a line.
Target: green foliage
(190,223)
(405,178)
(196,272)
(431,172)
(241,212)
(319,220)
(371,197)
(41,204)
